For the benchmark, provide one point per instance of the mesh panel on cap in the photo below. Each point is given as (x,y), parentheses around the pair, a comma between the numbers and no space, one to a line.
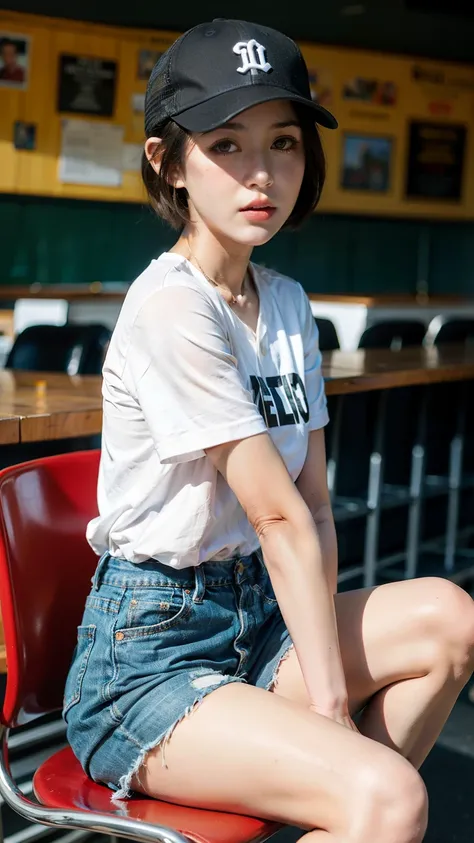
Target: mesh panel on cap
(160,93)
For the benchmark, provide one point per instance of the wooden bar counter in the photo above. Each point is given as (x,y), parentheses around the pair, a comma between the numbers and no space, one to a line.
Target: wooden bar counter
(9,429)
(46,406)
(36,406)
(364,371)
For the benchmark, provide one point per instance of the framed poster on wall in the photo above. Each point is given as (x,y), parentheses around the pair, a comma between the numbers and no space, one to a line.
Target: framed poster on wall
(14,60)
(366,162)
(435,160)
(86,85)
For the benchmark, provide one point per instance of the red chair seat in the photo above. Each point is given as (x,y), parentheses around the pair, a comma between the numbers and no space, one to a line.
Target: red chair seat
(61,783)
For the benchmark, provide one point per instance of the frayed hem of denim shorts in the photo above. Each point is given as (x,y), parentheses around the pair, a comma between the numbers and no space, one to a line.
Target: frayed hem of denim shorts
(214,681)
(274,680)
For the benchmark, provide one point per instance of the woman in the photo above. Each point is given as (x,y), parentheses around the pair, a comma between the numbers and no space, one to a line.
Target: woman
(214,665)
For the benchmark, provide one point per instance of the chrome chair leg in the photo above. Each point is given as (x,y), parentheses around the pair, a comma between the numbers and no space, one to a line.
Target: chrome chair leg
(414,511)
(373,495)
(417,477)
(333,456)
(455,479)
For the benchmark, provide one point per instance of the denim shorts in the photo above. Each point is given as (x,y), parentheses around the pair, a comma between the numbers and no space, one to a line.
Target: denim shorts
(153,642)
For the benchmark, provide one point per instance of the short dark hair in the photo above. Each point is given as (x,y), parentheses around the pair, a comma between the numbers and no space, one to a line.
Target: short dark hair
(171,204)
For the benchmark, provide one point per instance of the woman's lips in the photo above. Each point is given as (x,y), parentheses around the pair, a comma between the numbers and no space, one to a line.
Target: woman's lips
(258,213)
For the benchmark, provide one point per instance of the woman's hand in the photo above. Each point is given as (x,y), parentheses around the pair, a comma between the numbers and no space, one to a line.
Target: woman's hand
(339,715)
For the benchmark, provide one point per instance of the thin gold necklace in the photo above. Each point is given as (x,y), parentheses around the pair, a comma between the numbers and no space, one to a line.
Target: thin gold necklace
(233,299)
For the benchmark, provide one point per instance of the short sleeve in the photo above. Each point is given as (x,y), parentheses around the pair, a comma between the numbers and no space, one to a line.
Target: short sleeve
(182,372)
(314,382)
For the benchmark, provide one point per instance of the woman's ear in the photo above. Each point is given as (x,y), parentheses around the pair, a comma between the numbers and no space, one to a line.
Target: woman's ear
(153,153)
(152,146)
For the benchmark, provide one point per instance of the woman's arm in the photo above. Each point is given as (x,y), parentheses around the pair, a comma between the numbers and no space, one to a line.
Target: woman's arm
(313,488)
(294,557)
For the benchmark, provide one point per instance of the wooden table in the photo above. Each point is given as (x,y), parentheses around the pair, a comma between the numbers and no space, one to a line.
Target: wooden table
(363,371)
(9,429)
(35,406)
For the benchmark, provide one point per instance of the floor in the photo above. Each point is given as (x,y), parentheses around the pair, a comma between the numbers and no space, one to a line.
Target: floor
(449,777)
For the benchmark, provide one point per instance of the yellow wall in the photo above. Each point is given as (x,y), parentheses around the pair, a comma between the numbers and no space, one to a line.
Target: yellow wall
(35,172)
(414,101)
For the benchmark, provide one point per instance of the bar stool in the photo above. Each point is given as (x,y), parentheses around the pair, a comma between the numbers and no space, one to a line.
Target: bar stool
(450,407)
(328,338)
(72,348)
(351,469)
(329,341)
(444,330)
(394,334)
(393,481)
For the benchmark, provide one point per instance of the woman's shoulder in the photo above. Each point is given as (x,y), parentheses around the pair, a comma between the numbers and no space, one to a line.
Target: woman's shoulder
(280,283)
(167,272)
(166,287)
(287,292)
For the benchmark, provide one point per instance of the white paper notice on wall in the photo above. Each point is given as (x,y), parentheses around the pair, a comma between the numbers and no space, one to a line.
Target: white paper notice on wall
(138,103)
(91,153)
(132,157)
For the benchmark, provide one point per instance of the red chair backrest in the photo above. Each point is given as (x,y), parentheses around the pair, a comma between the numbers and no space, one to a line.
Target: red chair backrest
(46,567)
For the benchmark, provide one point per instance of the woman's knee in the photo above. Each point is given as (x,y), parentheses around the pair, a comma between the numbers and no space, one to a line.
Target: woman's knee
(392,803)
(447,614)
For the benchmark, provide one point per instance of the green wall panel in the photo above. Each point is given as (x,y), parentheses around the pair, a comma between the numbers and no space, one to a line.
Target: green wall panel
(384,255)
(452,258)
(54,241)
(66,241)
(323,256)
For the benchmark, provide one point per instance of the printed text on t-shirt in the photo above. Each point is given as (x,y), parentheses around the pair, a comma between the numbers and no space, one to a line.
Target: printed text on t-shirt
(280,399)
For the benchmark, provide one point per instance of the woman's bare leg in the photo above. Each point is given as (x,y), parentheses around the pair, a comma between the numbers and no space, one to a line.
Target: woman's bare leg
(250,752)
(408,649)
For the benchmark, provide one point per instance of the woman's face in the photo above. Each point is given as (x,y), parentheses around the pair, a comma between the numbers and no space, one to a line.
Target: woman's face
(243,179)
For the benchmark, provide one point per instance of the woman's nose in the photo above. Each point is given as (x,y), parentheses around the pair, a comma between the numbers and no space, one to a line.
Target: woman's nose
(259,175)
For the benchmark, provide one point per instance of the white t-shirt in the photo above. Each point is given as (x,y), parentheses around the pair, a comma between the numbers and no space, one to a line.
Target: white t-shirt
(184,373)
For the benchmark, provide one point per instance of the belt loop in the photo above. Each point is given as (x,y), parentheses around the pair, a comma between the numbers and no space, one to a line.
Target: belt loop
(200,580)
(98,571)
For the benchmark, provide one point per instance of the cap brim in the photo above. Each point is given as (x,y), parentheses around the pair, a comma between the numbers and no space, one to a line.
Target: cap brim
(221,108)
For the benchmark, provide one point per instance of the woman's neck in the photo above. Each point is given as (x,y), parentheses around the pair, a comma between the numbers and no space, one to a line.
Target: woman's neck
(225,263)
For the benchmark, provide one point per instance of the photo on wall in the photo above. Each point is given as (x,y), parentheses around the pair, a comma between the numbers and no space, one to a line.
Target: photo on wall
(321,86)
(87,85)
(366,162)
(436,153)
(14,60)
(374,91)
(24,135)
(146,62)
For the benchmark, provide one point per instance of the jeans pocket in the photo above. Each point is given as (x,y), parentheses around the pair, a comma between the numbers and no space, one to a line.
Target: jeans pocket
(85,642)
(153,610)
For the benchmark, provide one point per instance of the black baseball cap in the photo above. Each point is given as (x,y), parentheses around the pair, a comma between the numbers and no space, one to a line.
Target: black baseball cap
(216,70)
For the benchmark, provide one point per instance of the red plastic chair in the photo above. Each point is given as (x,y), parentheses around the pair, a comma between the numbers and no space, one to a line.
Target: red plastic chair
(45,571)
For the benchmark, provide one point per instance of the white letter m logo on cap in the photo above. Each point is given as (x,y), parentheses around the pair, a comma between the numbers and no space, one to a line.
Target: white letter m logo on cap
(253,56)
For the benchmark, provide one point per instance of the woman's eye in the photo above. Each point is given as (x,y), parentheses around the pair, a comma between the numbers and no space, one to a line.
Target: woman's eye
(224,147)
(285,143)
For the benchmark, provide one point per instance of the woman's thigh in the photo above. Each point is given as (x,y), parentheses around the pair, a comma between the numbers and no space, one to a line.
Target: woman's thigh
(251,752)
(389,633)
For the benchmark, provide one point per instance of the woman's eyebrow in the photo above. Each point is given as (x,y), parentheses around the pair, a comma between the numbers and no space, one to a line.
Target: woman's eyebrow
(286,124)
(241,127)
